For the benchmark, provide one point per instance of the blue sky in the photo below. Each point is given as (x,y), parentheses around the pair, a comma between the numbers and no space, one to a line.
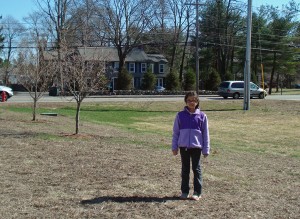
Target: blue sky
(21,8)
(16,8)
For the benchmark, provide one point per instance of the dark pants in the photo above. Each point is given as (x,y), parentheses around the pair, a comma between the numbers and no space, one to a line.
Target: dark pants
(186,156)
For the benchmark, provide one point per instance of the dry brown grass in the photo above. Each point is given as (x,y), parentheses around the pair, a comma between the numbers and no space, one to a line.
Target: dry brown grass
(107,172)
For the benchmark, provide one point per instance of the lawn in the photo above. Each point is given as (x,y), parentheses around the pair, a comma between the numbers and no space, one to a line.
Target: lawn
(285,91)
(120,165)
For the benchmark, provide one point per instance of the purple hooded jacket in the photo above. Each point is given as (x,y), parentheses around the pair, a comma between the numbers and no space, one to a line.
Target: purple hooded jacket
(190,130)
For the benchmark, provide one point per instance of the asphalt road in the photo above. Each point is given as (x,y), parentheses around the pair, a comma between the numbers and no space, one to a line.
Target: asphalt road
(23,97)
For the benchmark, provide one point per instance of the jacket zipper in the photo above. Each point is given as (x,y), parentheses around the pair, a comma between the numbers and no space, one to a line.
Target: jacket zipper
(189,131)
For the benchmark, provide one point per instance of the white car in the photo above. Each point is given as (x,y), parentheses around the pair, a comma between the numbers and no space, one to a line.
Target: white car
(9,92)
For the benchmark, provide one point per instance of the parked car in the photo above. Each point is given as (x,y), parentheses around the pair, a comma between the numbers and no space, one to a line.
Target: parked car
(159,88)
(297,86)
(9,92)
(54,91)
(235,89)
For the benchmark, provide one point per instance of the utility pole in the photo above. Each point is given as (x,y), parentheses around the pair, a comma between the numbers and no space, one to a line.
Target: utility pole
(247,69)
(197,4)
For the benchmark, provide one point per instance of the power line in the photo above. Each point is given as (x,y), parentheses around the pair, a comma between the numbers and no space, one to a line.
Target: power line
(202,45)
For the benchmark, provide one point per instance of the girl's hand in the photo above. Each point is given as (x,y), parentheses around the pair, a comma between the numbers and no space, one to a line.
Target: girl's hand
(175,152)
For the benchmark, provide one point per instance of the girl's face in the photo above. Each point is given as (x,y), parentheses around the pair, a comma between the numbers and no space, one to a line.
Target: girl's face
(191,103)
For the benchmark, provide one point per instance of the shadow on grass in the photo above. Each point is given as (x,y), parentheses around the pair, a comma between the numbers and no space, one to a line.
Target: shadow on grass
(220,110)
(16,134)
(120,199)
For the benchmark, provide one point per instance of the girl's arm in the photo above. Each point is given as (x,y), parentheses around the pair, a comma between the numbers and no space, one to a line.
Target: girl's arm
(206,138)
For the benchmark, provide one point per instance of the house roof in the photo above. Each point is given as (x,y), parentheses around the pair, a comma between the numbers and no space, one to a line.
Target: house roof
(99,53)
(137,55)
(157,58)
(110,54)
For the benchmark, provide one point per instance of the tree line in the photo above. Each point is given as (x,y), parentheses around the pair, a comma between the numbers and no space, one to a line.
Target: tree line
(165,27)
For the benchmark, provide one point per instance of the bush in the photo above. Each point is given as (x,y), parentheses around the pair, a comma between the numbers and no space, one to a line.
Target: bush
(124,80)
(152,92)
(213,81)
(148,81)
(189,80)
(172,81)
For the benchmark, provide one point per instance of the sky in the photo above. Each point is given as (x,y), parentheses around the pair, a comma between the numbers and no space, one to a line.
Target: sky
(21,8)
(16,8)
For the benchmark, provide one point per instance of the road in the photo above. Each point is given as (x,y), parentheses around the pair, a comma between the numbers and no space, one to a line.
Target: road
(23,97)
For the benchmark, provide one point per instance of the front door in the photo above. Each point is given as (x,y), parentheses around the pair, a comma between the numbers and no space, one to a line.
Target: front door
(160,82)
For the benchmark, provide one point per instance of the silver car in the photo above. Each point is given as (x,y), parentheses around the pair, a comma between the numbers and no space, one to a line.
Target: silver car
(235,89)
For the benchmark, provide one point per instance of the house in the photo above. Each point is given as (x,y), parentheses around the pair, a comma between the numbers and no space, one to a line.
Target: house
(137,63)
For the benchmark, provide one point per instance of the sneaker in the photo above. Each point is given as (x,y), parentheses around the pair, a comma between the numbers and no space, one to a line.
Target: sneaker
(196,197)
(184,196)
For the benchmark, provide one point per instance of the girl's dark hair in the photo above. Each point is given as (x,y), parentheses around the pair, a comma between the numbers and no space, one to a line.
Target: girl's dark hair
(192,94)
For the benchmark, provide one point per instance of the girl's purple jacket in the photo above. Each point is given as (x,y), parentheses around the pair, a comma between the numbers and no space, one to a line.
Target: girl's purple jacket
(190,130)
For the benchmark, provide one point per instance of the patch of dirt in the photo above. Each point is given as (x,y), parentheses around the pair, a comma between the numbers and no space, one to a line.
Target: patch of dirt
(47,172)
(77,136)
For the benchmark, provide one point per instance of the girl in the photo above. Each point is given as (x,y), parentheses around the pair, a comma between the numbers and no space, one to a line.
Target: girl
(191,137)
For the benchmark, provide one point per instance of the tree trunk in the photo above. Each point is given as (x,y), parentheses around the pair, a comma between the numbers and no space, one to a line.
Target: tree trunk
(77,116)
(122,57)
(183,54)
(277,83)
(35,99)
(34,110)
(172,58)
(272,74)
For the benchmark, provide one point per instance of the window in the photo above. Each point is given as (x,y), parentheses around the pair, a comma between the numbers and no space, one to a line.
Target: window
(116,66)
(161,68)
(131,67)
(143,67)
(224,85)
(253,86)
(238,85)
(151,66)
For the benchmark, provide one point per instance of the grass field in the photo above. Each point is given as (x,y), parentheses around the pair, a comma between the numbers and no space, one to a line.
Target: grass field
(120,165)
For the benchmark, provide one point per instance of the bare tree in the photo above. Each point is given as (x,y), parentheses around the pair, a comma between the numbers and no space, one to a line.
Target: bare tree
(125,22)
(57,13)
(1,39)
(34,72)
(160,34)
(84,27)
(80,71)
(172,21)
(84,71)
(180,13)
(12,30)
